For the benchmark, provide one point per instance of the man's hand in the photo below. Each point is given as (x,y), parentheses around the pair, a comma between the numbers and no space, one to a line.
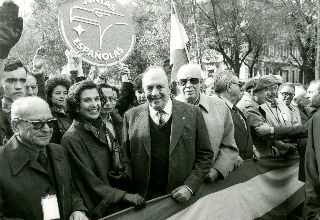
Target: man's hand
(181,194)
(256,153)
(11,27)
(238,162)
(135,199)
(211,176)
(263,129)
(39,61)
(78,215)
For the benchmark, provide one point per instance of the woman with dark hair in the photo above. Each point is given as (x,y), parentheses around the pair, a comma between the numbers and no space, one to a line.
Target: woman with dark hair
(56,89)
(86,142)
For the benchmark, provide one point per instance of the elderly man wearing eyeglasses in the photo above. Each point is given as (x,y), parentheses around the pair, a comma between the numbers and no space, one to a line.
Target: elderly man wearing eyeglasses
(217,117)
(35,177)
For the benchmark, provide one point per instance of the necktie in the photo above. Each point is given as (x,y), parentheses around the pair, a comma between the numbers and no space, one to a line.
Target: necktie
(161,119)
(239,117)
(42,159)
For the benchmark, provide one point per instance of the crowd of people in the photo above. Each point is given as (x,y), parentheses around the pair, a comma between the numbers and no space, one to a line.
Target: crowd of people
(91,149)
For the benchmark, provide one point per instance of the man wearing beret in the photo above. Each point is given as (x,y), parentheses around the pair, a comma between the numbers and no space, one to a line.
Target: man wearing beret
(263,134)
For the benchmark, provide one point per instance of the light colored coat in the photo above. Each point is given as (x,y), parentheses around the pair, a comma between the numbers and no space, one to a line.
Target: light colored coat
(221,132)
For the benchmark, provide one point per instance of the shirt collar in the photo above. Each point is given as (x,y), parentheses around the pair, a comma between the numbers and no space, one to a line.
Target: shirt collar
(228,103)
(204,102)
(167,109)
(6,104)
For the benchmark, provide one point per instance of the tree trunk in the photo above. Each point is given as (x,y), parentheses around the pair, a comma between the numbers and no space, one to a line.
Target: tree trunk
(308,75)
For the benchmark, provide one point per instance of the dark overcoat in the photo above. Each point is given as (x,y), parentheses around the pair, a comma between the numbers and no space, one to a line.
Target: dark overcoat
(90,159)
(312,169)
(23,182)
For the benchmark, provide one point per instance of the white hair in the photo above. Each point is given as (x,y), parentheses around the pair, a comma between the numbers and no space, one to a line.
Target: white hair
(25,105)
(195,68)
(299,91)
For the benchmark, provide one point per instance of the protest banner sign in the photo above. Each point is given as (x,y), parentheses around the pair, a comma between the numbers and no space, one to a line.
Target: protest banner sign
(264,189)
(101,30)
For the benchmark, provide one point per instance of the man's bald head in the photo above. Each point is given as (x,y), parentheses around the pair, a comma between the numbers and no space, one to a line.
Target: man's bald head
(156,87)
(155,72)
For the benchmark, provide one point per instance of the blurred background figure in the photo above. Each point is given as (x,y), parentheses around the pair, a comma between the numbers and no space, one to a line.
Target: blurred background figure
(302,103)
(286,94)
(56,92)
(209,86)
(31,86)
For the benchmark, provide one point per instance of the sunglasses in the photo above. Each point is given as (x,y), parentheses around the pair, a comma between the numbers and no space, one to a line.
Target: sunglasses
(193,81)
(39,124)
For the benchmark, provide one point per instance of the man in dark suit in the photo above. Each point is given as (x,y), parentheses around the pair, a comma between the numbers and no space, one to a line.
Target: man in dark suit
(312,160)
(35,177)
(166,142)
(109,113)
(227,86)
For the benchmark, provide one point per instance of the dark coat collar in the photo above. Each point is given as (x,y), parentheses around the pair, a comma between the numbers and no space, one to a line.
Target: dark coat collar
(19,156)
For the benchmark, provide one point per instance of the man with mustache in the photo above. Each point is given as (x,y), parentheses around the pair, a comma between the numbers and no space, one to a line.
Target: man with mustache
(218,121)
(35,177)
(166,142)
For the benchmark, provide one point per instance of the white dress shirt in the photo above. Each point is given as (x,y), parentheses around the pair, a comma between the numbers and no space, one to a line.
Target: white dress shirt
(155,115)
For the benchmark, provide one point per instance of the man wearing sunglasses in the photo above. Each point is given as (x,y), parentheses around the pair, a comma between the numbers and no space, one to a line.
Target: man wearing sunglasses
(35,177)
(217,117)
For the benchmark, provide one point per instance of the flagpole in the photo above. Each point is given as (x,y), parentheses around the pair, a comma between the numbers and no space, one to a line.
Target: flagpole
(199,54)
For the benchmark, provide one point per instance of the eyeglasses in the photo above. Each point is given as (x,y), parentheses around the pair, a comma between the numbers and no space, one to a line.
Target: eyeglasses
(236,83)
(287,94)
(39,124)
(193,81)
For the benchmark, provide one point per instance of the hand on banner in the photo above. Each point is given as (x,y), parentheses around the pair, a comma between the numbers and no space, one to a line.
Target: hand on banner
(256,154)
(181,194)
(11,27)
(238,162)
(211,176)
(135,199)
(78,215)
(263,129)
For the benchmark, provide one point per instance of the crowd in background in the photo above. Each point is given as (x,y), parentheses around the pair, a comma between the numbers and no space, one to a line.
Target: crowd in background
(99,148)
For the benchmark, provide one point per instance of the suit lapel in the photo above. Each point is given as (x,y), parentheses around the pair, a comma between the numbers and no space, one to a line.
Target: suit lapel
(144,128)
(58,171)
(178,122)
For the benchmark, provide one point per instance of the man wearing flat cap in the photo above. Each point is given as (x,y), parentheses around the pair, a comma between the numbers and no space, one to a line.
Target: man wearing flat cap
(263,134)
